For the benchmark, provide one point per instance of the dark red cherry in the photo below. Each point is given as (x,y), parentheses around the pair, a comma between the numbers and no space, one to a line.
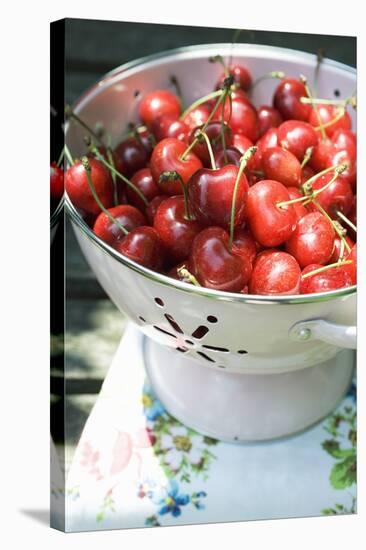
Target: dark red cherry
(268,117)
(281,165)
(197,117)
(275,273)
(130,156)
(167,126)
(212,262)
(325,281)
(210,195)
(337,197)
(175,230)
(287,100)
(157,103)
(144,181)
(345,140)
(57,181)
(270,224)
(79,192)
(242,77)
(166,157)
(306,173)
(213,132)
(128,216)
(326,114)
(265,142)
(319,159)
(338,247)
(153,206)
(231,155)
(337,157)
(245,246)
(312,242)
(300,209)
(297,136)
(242,143)
(352,216)
(143,246)
(147,140)
(243,119)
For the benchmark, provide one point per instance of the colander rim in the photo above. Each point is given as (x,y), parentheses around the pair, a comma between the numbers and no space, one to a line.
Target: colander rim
(106,81)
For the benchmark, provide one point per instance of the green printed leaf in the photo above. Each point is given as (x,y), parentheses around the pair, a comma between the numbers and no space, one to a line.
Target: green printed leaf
(343,474)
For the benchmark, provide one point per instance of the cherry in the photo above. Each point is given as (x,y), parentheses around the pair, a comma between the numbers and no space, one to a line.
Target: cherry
(143,246)
(212,262)
(297,136)
(197,117)
(242,143)
(245,246)
(175,230)
(231,155)
(275,272)
(128,216)
(337,196)
(268,117)
(300,209)
(338,247)
(287,100)
(326,114)
(56,181)
(337,157)
(213,131)
(167,157)
(157,103)
(265,142)
(144,181)
(352,216)
(306,173)
(167,126)
(78,189)
(312,242)
(175,272)
(351,269)
(130,156)
(241,75)
(210,195)
(345,140)
(281,165)
(324,281)
(146,139)
(153,206)
(243,119)
(320,155)
(270,224)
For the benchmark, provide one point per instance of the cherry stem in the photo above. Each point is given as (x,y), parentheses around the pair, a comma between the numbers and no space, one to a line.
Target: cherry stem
(307,156)
(310,96)
(178,89)
(86,165)
(70,114)
(326,267)
(112,169)
(115,191)
(273,74)
(346,220)
(243,162)
(319,61)
(341,113)
(219,59)
(336,225)
(187,276)
(209,147)
(68,155)
(199,102)
(173,176)
(61,157)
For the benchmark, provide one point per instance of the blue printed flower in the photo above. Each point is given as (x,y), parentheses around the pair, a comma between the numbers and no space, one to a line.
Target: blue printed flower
(152,406)
(195,499)
(169,500)
(352,392)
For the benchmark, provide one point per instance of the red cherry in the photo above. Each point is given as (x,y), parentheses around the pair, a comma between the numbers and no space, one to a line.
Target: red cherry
(174,271)
(265,142)
(338,247)
(287,100)
(175,230)
(337,197)
(56,181)
(143,246)
(128,216)
(197,117)
(210,195)
(268,117)
(79,192)
(242,77)
(167,126)
(345,140)
(147,140)
(245,246)
(270,224)
(242,143)
(144,181)
(352,216)
(166,157)
(153,206)
(330,279)
(312,241)
(157,103)
(306,173)
(300,209)
(351,269)
(297,136)
(275,272)
(213,132)
(233,156)
(212,262)
(281,165)
(337,157)
(130,156)
(327,113)
(243,119)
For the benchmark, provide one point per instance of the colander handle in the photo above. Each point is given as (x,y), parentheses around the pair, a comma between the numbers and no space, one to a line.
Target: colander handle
(343,336)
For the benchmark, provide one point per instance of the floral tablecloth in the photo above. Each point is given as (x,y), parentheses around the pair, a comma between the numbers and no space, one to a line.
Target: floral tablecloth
(137,466)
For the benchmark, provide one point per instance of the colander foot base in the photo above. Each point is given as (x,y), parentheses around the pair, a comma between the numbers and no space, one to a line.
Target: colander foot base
(244,408)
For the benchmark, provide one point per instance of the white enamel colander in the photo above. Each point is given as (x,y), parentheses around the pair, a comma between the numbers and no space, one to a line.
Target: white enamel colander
(235,367)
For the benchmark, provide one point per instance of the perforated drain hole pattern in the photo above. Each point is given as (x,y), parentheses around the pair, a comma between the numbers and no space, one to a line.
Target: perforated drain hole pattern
(184,345)
(337,93)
